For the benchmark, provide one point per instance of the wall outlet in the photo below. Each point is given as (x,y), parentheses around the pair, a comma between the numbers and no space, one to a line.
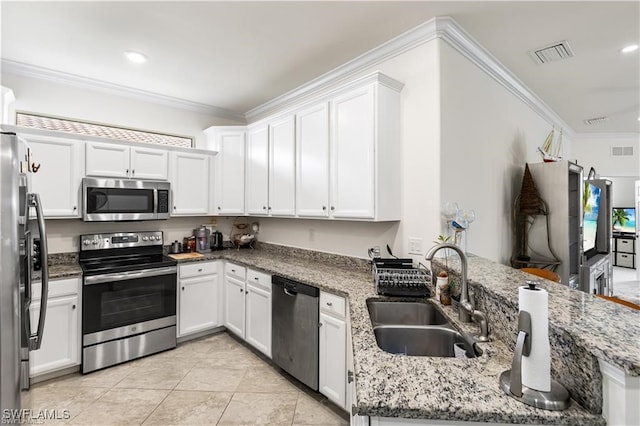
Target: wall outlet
(415,245)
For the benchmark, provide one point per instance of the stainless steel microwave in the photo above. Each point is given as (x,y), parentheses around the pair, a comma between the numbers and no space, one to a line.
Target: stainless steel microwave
(124,199)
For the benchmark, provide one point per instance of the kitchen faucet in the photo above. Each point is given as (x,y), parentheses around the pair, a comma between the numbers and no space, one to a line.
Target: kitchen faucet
(466,311)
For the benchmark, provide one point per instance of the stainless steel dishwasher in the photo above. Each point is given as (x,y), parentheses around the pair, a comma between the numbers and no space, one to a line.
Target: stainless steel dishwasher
(294,338)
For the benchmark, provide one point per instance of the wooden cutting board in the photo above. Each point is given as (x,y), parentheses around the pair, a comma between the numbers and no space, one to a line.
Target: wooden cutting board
(183,256)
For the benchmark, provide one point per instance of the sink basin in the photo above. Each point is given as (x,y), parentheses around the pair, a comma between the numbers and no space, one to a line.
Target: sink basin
(425,341)
(404,313)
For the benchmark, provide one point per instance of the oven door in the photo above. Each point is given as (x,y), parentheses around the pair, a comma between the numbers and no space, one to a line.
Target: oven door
(119,199)
(117,305)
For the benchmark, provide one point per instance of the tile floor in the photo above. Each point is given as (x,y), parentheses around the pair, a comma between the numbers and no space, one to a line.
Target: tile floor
(212,380)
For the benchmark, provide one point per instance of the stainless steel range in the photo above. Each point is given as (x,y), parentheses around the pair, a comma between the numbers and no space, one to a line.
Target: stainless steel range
(128,298)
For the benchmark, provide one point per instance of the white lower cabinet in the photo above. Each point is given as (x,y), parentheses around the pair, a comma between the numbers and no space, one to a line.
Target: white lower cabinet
(198,297)
(248,306)
(61,337)
(333,349)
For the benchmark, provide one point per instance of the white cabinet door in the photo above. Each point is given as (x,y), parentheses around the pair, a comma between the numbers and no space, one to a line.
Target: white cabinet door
(234,305)
(149,163)
(59,177)
(352,155)
(230,172)
(312,150)
(282,167)
(105,159)
(197,304)
(258,171)
(332,361)
(190,184)
(61,337)
(258,311)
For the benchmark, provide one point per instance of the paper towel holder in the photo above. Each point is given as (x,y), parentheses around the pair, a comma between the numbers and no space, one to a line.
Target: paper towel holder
(511,380)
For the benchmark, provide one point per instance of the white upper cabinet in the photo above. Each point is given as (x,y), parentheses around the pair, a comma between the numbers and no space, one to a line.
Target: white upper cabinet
(365,158)
(59,178)
(149,163)
(282,167)
(353,155)
(312,165)
(190,183)
(257,187)
(122,161)
(230,169)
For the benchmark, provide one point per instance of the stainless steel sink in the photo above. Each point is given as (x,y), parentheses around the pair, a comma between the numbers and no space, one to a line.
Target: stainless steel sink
(433,341)
(404,313)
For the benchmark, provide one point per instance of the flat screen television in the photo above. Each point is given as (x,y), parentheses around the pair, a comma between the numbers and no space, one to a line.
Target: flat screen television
(591,207)
(624,220)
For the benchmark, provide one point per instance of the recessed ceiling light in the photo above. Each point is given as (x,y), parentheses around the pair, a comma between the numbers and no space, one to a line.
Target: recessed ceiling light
(630,48)
(135,57)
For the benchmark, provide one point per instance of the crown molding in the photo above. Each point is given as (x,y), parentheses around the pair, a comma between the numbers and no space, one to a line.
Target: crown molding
(26,70)
(444,28)
(421,34)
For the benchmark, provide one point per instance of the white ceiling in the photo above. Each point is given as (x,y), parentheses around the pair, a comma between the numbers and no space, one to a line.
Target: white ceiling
(238,55)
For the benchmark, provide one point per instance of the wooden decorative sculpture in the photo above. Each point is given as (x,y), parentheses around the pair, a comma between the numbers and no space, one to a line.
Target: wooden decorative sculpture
(527,208)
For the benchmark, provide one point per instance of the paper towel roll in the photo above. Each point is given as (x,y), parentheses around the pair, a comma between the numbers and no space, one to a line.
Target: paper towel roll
(536,368)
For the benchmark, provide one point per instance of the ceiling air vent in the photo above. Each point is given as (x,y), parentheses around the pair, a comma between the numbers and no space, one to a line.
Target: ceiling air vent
(595,120)
(622,151)
(554,52)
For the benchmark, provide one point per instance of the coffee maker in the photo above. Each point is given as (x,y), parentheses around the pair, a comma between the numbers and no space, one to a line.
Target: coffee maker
(216,240)
(203,239)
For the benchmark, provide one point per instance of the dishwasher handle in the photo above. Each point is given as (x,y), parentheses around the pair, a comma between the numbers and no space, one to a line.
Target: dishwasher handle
(290,292)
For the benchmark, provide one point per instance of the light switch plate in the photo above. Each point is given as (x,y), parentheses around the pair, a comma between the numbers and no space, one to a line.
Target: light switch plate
(415,245)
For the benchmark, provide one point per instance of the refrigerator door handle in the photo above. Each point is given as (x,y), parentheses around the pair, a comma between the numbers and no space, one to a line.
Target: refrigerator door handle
(35,341)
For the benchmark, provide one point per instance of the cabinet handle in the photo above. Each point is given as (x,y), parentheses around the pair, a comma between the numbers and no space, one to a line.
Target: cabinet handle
(219,208)
(200,270)
(269,208)
(73,306)
(246,291)
(329,304)
(133,172)
(174,207)
(182,288)
(264,207)
(233,270)
(241,291)
(349,376)
(333,208)
(256,278)
(324,207)
(127,171)
(319,324)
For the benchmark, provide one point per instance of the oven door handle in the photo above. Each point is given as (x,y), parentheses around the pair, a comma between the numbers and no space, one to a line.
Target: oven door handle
(130,275)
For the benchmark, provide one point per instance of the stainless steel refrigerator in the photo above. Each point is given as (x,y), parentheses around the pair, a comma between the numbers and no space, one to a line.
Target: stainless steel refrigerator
(16,257)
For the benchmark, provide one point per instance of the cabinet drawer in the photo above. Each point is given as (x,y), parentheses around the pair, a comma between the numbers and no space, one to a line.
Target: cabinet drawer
(66,287)
(197,269)
(332,304)
(259,279)
(625,245)
(626,260)
(236,271)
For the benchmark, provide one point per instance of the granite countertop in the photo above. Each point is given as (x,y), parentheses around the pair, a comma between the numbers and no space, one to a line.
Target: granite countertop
(390,385)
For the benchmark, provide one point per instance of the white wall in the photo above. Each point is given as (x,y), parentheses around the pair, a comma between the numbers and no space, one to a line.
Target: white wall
(623,171)
(48,98)
(487,137)
(596,152)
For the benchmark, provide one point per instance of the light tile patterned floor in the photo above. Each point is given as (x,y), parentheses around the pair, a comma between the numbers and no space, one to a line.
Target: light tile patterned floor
(212,380)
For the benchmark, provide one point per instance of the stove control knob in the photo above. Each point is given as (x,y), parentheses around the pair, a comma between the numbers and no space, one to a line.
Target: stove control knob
(151,238)
(145,238)
(86,242)
(94,242)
